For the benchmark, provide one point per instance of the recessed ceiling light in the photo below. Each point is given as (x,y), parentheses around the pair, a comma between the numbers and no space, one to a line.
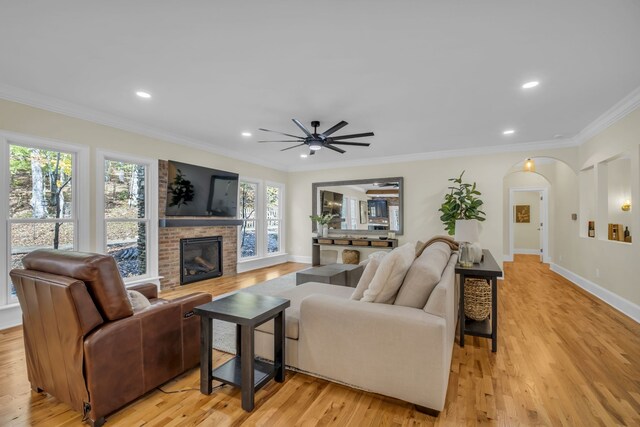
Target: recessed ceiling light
(143,94)
(529,85)
(246,133)
(303,156)
(508,132)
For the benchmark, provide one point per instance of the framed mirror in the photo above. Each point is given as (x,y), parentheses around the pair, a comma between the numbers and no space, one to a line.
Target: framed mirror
(362,206)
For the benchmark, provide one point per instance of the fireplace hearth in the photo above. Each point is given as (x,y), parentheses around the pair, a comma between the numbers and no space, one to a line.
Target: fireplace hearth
(200,259)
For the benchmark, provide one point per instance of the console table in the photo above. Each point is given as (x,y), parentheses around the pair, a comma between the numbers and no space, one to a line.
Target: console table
(487,269)
(247,311)
(354,242)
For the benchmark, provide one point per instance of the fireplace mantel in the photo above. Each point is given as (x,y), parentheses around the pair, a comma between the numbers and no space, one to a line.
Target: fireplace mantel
(198,222)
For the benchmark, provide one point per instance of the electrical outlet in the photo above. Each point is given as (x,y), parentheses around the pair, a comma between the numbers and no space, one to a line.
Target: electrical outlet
(598,273)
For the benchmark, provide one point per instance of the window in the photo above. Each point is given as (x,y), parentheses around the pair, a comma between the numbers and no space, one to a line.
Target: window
(261,211)
(127,231)
(41,204)
(274,219)
(248,214)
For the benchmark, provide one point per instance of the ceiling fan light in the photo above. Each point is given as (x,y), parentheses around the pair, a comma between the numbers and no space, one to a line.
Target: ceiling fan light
(315,146)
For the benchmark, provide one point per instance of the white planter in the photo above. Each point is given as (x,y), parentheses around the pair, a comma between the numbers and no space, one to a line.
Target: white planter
(325,230)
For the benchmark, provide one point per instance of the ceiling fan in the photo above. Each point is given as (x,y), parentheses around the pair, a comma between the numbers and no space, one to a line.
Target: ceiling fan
(316,141)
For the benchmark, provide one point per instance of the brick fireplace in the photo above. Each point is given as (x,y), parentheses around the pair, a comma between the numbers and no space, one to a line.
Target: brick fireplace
(174,229)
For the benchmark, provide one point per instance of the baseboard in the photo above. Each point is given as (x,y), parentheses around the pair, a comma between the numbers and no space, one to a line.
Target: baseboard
(254,264)
(507,258)
(527,251)
(614,300)
(300,258)
(10,316)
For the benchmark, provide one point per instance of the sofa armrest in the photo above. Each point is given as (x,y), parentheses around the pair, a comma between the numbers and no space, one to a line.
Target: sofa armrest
(389,349)
(149,290)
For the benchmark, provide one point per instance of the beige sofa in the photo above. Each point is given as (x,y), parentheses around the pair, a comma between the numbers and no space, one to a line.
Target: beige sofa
(396,351)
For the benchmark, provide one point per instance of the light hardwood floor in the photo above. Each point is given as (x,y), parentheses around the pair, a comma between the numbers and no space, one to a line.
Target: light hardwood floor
(564,358)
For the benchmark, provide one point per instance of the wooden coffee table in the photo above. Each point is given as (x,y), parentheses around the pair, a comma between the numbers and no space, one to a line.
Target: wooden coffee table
(247,311)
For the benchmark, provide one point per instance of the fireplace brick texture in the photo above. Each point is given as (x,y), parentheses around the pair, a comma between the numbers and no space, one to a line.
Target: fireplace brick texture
(169,240)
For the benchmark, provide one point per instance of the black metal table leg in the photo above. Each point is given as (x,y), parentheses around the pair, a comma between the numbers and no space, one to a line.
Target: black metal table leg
(247,362)
(461,310)
(206,362)
(278,346)
(494,314)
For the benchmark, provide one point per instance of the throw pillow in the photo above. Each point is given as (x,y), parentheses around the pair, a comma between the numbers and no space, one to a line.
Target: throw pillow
(389,276)
(423,276)
(137,300)
(367,275)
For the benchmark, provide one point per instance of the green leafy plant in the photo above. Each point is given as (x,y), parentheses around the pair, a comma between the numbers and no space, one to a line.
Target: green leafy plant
(322,219)
(460,203)
(181,190)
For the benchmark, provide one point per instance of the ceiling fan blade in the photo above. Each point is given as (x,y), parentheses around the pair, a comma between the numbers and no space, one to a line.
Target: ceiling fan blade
(334,129)
(293,146)
(357,144)
(355,135)
(331,147)
(281,133)
(290,140)
(301,126)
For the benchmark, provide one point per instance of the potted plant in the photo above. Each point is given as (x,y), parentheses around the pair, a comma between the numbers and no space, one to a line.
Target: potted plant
(461,203)
(323,223)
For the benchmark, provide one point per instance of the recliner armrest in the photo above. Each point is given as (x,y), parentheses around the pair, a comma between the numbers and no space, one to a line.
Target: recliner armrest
(149,290)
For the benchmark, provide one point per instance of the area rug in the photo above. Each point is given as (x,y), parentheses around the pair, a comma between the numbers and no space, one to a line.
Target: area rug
(224,333)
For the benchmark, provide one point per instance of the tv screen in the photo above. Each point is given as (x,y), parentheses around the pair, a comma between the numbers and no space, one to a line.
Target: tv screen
(199,191)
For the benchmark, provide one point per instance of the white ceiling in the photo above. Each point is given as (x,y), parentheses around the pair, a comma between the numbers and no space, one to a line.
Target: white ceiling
(424,76)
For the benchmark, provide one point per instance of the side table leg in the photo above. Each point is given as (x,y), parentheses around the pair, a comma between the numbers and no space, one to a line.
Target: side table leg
(206,362)
(461,310)
(247,360)
(238,340)
(279,340)
(494,314)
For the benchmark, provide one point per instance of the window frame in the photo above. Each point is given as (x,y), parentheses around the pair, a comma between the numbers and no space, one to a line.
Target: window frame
(151,210)
(80,201)
(262,238)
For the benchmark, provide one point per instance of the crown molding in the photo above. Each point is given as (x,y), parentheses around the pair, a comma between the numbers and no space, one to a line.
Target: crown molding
(618,111)
(553,144)
(22,96)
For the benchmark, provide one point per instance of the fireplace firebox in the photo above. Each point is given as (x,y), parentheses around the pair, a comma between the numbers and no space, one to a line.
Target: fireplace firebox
(200,259)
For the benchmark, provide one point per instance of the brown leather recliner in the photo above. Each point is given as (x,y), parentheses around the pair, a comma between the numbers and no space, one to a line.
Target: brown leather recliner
(84,343)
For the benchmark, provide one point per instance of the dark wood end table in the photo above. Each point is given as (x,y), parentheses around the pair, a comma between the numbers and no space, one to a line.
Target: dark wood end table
(247,311)
(487,269)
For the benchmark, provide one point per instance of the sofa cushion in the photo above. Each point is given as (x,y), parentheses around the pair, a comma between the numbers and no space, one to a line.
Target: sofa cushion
(367,275)
(296,295)
(423,276)
(137,300)
(389,276)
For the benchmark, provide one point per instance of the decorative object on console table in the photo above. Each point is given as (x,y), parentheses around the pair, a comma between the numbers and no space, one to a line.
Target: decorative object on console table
(488,269)
(323,223)
(460,203)
(477,299)
(316,243)
(466,234)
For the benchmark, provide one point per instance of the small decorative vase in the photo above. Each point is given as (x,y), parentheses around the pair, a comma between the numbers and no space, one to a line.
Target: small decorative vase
(325,230)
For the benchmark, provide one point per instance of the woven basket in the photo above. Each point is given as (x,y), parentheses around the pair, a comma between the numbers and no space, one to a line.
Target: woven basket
(350,256)
(477,299)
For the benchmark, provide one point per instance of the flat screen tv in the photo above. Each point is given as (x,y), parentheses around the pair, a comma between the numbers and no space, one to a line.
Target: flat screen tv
(199,191)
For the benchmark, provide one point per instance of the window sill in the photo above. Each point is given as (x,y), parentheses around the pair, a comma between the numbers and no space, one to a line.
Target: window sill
(137,281)
(262,262)
(9,306)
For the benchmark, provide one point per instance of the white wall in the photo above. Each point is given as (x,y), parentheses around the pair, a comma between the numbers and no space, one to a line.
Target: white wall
(526,236)
(425,184)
